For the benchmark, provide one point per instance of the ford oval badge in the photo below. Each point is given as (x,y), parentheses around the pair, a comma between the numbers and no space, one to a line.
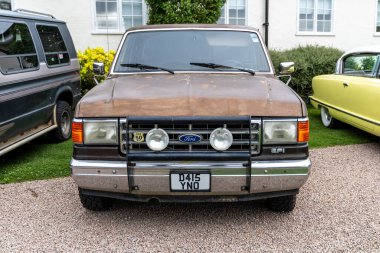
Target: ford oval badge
(190,138)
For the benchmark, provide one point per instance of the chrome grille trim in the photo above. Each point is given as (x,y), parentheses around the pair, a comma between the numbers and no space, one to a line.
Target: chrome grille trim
(246,142)
(241,134)
(123,135)
(255,136)
(189,131)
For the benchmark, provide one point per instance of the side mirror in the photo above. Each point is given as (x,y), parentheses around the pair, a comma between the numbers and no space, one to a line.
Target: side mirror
(286,68)
(98,68)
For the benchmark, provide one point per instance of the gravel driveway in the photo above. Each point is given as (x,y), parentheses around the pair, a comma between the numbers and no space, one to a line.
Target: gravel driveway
(337,210)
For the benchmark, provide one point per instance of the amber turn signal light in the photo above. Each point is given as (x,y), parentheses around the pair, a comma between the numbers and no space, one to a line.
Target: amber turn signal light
(77,132)
(303,131)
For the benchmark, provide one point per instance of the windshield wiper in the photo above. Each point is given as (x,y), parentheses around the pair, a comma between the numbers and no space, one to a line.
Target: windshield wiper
(218,66)
(144,67)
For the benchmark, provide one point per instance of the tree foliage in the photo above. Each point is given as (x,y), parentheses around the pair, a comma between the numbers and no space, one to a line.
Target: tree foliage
(184,11)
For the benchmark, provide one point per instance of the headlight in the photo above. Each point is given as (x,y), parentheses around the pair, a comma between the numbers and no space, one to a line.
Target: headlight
(100,132)
(221,139)
(280,132)
(157,139)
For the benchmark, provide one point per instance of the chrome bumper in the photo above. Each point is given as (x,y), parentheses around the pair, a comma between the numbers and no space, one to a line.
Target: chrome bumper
(227,178)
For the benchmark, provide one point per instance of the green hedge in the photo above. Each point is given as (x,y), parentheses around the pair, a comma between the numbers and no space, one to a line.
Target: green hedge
(184,11)
(309,61)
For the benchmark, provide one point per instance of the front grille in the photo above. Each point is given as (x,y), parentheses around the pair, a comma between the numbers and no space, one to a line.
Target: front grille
(246,135)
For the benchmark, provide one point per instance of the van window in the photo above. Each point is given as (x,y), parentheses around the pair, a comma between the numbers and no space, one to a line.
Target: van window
(53,44)
(17,51)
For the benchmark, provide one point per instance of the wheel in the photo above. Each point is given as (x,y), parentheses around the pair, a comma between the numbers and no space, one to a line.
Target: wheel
(283,204)
(63,115)
(95,203)
(327,119)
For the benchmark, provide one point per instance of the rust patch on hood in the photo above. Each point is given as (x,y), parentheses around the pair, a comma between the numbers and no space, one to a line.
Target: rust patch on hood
(190,95)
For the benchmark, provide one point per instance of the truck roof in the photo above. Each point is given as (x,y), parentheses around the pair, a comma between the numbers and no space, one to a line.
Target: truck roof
(31,15)
(190,26)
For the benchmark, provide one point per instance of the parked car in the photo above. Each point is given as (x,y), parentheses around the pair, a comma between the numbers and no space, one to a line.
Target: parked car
(191,113)
(352,94)
(39,78)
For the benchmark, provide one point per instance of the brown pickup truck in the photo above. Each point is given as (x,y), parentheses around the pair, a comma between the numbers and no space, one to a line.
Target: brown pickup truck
(191,113)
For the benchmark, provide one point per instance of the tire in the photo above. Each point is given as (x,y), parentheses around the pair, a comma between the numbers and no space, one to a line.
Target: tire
(63,115)
(283,204)
(95,203)
(327,119)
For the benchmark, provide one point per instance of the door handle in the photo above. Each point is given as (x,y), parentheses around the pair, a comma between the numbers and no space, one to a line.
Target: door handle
(345,85)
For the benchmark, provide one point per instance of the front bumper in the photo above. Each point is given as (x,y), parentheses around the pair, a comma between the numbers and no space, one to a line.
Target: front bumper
(145,180)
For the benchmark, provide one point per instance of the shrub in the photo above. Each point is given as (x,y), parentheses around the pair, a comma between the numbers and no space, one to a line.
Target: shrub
(86,60)
(184,11)
(309,61)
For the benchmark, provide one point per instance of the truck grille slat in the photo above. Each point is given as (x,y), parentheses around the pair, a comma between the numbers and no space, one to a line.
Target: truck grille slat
(243,131)
(247,136)
(244,142)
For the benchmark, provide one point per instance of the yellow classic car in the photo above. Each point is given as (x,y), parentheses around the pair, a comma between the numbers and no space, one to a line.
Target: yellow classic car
(352,94)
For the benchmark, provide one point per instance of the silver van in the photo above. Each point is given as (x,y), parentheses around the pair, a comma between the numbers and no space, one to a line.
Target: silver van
(39,78)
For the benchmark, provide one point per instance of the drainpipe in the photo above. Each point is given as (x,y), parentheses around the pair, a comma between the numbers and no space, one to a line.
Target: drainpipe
(266,24)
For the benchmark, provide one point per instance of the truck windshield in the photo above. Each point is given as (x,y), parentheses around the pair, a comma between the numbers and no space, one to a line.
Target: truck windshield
(177,50)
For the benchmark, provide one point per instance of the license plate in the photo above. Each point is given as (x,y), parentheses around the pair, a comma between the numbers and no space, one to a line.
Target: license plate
(190,181)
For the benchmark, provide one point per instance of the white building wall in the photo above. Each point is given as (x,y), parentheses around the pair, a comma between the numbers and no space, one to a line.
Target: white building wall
(353,22)
(78,16)
(256,14)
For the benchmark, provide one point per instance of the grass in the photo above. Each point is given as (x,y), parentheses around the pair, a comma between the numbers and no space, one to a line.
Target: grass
(321,136)
(42,159)
(39,159)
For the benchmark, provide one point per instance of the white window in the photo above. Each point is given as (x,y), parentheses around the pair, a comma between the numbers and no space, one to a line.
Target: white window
(378,17)
(6,5)
(118,15)
(315,16)
(234,12)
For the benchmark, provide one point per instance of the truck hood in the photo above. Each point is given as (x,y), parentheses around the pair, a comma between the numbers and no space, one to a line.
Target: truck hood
(191,95)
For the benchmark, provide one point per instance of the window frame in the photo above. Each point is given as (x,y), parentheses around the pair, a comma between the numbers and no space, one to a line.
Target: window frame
(43,49)
(12,5)
(315,21)
(120,30)
(35,48)
(227,13)
(117,54)
(377,9)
